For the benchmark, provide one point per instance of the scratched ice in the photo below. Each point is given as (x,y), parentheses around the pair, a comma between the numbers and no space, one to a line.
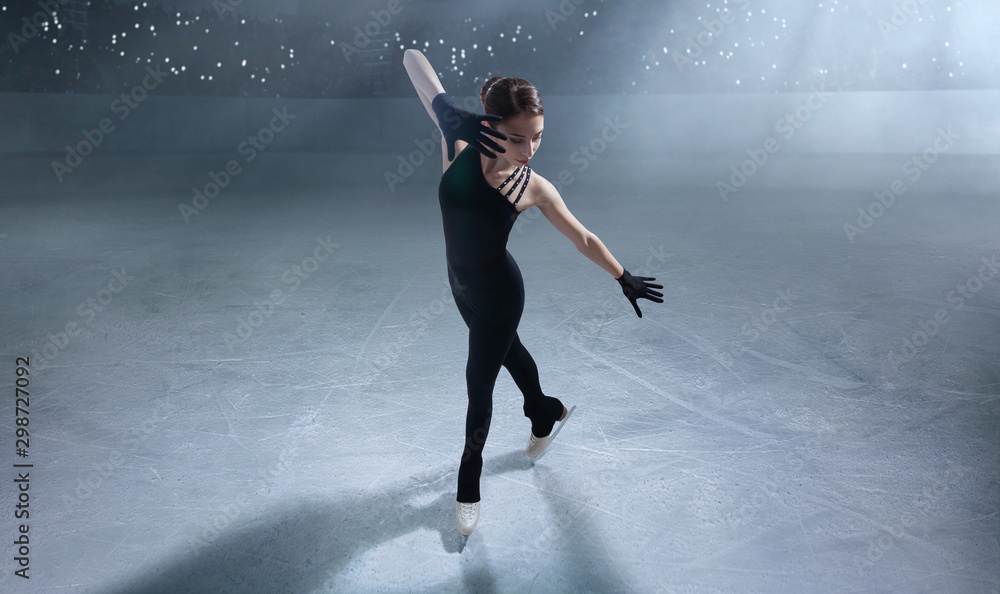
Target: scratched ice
(274,398)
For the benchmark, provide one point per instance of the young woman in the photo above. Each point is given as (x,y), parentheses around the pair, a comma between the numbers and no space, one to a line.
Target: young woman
(481,195)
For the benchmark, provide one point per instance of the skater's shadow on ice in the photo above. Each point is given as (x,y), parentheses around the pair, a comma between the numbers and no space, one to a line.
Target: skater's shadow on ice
(303,545)
(587,565)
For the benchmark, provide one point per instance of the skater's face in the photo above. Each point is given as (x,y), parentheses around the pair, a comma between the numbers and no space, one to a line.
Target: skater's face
(524,135)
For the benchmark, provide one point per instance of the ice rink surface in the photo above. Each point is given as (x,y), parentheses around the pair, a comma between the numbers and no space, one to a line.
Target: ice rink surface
(268,394)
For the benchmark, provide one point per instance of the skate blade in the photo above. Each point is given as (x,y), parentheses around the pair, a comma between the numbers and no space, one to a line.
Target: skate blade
(554,434)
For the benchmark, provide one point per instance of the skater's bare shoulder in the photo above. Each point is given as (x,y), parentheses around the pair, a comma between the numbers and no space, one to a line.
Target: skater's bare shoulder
(548,200)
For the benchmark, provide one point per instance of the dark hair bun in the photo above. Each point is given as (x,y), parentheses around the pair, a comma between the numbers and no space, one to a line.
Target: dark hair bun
(486,88)
(509,97)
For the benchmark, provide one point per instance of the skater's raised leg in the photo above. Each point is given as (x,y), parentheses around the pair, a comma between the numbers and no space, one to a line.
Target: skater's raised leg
(542,410)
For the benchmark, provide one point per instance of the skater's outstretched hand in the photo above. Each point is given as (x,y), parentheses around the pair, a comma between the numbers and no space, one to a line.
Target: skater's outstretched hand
(459,124)
(636,286)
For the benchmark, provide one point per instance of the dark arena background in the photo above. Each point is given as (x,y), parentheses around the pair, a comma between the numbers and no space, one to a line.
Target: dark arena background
(233,362)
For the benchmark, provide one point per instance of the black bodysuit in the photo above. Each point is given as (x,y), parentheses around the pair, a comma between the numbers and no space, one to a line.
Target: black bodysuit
(489,293)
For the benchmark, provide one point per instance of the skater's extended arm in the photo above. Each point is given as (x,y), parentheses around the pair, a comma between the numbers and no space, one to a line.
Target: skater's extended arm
(552,206)
(634,287)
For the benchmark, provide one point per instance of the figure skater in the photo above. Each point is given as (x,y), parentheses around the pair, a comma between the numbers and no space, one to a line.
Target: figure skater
(481,195)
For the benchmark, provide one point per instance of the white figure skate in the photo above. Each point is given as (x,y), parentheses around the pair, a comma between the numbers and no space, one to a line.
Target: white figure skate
(537,445)
(468,517)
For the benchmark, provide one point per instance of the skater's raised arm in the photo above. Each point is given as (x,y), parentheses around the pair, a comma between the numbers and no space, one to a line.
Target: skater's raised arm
(458,126)
(424,80)
(552,206)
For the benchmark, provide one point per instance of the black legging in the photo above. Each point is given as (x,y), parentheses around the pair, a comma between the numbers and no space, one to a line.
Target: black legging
(491,303)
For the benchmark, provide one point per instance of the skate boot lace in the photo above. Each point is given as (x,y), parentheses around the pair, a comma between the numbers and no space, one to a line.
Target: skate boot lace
(468,511)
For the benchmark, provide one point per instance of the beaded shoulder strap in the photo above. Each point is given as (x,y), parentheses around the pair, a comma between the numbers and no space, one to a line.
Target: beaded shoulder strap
(523,186)
(516,171)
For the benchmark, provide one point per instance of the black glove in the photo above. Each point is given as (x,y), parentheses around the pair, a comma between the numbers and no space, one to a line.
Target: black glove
(458,124)
(636,286)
